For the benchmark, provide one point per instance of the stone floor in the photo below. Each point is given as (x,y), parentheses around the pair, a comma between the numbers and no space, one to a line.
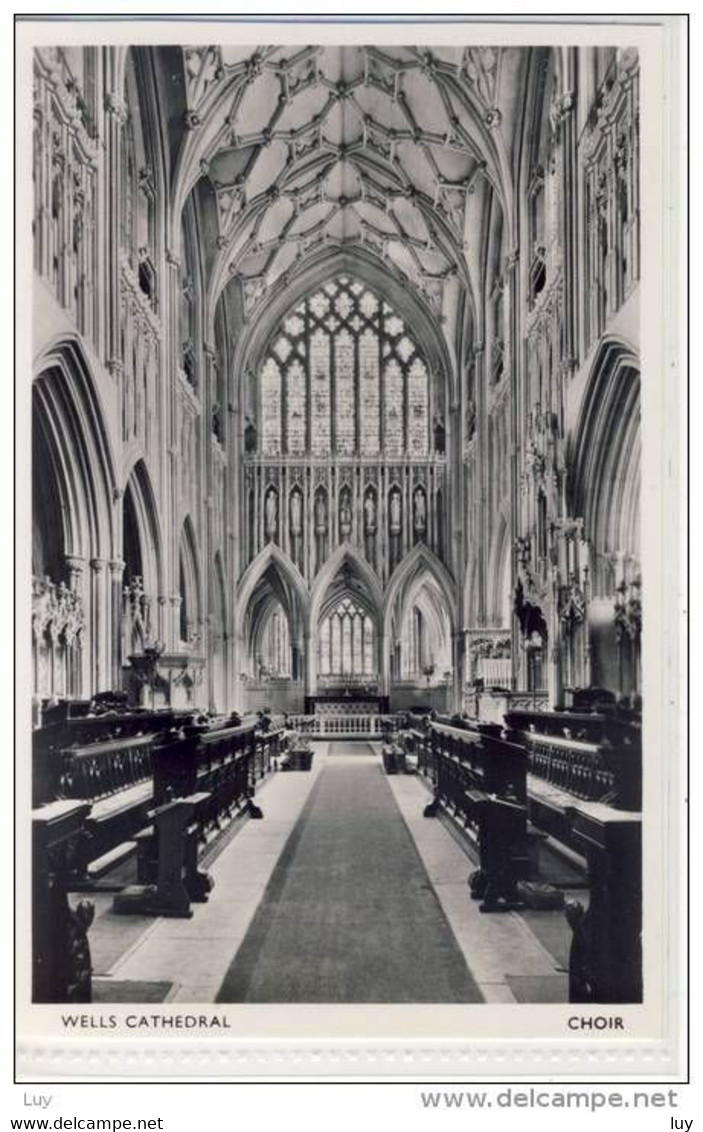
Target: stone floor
(509,961)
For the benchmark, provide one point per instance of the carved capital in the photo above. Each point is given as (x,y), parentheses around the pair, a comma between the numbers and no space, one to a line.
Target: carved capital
(115,367)
(116,107)
(75,565)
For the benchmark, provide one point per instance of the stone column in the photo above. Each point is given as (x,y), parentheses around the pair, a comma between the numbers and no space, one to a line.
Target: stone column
(115,114)
(175,619)
(77,582)
(116,575)
(171,356)
(570,243)
(458,677)
(482,468)
(384,666)
(515,410)
(310,668)
(98,626)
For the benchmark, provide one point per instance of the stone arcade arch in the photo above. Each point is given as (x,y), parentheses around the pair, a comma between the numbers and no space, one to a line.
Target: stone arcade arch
(345,574)
(604,490)
(143,620)
(190,590)
(420,565)
(76,548)
(272,578)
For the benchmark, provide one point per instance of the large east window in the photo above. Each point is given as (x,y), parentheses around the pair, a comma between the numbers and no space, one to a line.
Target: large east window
(343,376)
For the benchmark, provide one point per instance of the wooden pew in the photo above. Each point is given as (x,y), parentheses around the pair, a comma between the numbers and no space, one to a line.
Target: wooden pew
(585,789)
(61,966)
(216,769)
(480,779)
(100,753)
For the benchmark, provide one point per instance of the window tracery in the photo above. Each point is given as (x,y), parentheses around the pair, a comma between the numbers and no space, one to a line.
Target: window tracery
(337,359)
(346,642)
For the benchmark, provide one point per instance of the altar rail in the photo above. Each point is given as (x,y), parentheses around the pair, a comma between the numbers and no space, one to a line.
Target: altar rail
(594,757)
(327,725)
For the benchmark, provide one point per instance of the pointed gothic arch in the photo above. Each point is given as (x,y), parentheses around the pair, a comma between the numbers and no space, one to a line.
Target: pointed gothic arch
(74,528)
(419,559)
(270,558)
(69,418)
(333,566)
(604,453)
(139,495)
(190,587)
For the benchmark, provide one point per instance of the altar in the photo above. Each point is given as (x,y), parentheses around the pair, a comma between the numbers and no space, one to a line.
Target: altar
(351,702)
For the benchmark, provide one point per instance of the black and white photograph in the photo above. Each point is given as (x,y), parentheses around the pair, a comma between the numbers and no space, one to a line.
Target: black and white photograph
(338,589)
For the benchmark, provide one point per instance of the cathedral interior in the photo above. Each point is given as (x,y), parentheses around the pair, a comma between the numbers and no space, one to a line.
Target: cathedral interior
(336,466)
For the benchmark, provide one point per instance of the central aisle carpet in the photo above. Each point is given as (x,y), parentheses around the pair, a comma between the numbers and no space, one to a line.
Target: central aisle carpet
(349,914)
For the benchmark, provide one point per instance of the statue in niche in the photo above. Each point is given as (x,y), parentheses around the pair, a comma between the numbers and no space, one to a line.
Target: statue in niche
(439,434)
(395,525)
(320,515)
(296,514)
(271,514)
(394,528)
(345,514)
(370,514)
(420,512)
(370,528)
(249,436)
(320,530)
(296,526)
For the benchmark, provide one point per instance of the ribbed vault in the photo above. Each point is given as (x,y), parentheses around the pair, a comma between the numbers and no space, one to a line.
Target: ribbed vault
(344,146)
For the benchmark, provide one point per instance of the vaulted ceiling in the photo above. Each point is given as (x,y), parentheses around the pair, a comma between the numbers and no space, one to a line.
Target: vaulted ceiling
(345,146)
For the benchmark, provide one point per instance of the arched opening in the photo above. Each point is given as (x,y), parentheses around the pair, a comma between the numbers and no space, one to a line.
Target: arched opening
(72,534)
(345,626)
(605,491)
(271,619)
(141,552)
(419,623)
(190,607)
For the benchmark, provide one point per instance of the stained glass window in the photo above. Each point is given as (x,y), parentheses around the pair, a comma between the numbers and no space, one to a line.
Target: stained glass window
(344,391)
(296,401)
(347,642)
(394,415)
(417,409)
(320,393)
(369,394)
(344,376)
(271,408)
